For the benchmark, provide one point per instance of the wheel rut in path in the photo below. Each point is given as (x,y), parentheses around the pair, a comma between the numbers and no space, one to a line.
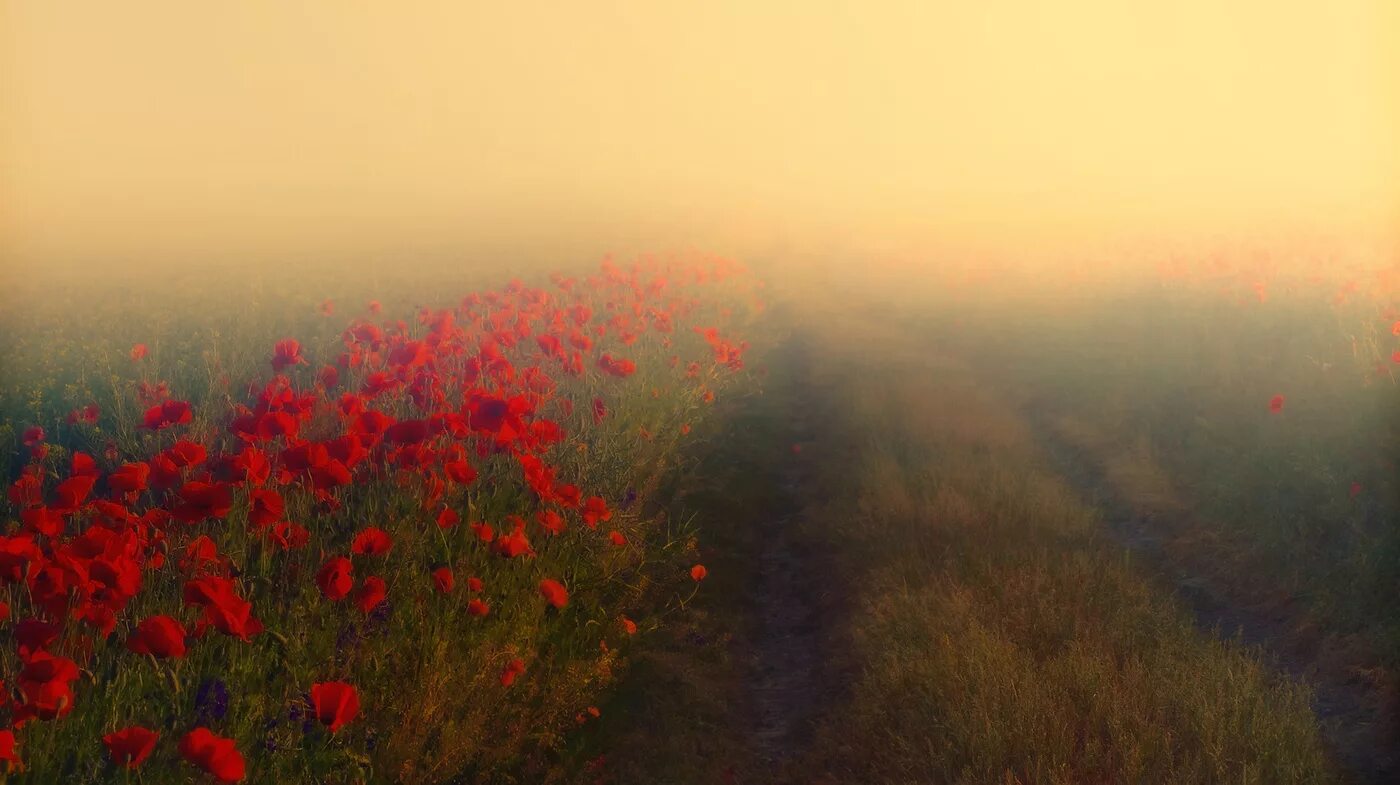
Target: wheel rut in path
(787,660)
(1357,725)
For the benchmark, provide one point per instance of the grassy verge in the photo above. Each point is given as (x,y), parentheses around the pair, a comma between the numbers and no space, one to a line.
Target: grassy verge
(1171,392)
(685,712)
(999,637)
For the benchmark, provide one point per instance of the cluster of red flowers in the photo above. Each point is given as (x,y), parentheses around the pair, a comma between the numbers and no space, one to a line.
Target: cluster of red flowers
(421,409)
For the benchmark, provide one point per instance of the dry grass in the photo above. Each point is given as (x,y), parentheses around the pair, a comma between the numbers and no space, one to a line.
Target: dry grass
(1000,640)
(989,633)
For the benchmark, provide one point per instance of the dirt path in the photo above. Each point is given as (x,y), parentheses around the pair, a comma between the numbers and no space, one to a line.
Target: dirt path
(1352,712)
(729,692)
(786,656)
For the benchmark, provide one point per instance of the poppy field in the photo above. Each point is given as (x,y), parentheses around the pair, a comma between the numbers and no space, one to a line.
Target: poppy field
(678,519)
(725,393)
(389,544)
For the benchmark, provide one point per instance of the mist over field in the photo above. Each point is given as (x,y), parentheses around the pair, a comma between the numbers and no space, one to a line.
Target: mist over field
(738,392)
(167,133)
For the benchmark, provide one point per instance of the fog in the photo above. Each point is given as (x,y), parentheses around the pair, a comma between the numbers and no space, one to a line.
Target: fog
(192,133)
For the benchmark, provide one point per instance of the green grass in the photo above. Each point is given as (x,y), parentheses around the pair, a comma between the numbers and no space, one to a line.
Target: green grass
(1177,384)
(999,637)
(989,633)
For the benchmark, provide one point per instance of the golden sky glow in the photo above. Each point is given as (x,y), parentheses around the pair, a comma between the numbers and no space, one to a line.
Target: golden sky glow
(200,130)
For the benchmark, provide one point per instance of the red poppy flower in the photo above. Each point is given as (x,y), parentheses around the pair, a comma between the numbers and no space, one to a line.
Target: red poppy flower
(286,352)
(27,491)
(223,608)
(447,518)
(488,414)
(617,538)
(72,492)
(252,466)
(408,432)
(158,636)
(129,747)
(7,750)
(371,592)
(1276,404)
(138,352)
(335,703)
(33,635)
(616,367)
(83,465)
(288,536)
(88,414)
(186,453)
(595,510)
(214,754)
(551,521)
(166,414)
(32,435)
(19,557)
(371,541)
(443,579)
(129,478)
(265,507)
(336,578)
(567,495)
(478,608)
(474,583)
(42,520)
(459,472)
(164,473)
(629,626)
(698,573)
(513,669)
(554,592)
(546,432)
(513,545)
(46,682)
(331,475)
(201,500)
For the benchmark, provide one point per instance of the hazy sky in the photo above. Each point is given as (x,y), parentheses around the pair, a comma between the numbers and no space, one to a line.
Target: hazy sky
(221,130)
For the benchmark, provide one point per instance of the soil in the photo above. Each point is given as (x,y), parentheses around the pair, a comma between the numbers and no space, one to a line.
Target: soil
(787,662)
